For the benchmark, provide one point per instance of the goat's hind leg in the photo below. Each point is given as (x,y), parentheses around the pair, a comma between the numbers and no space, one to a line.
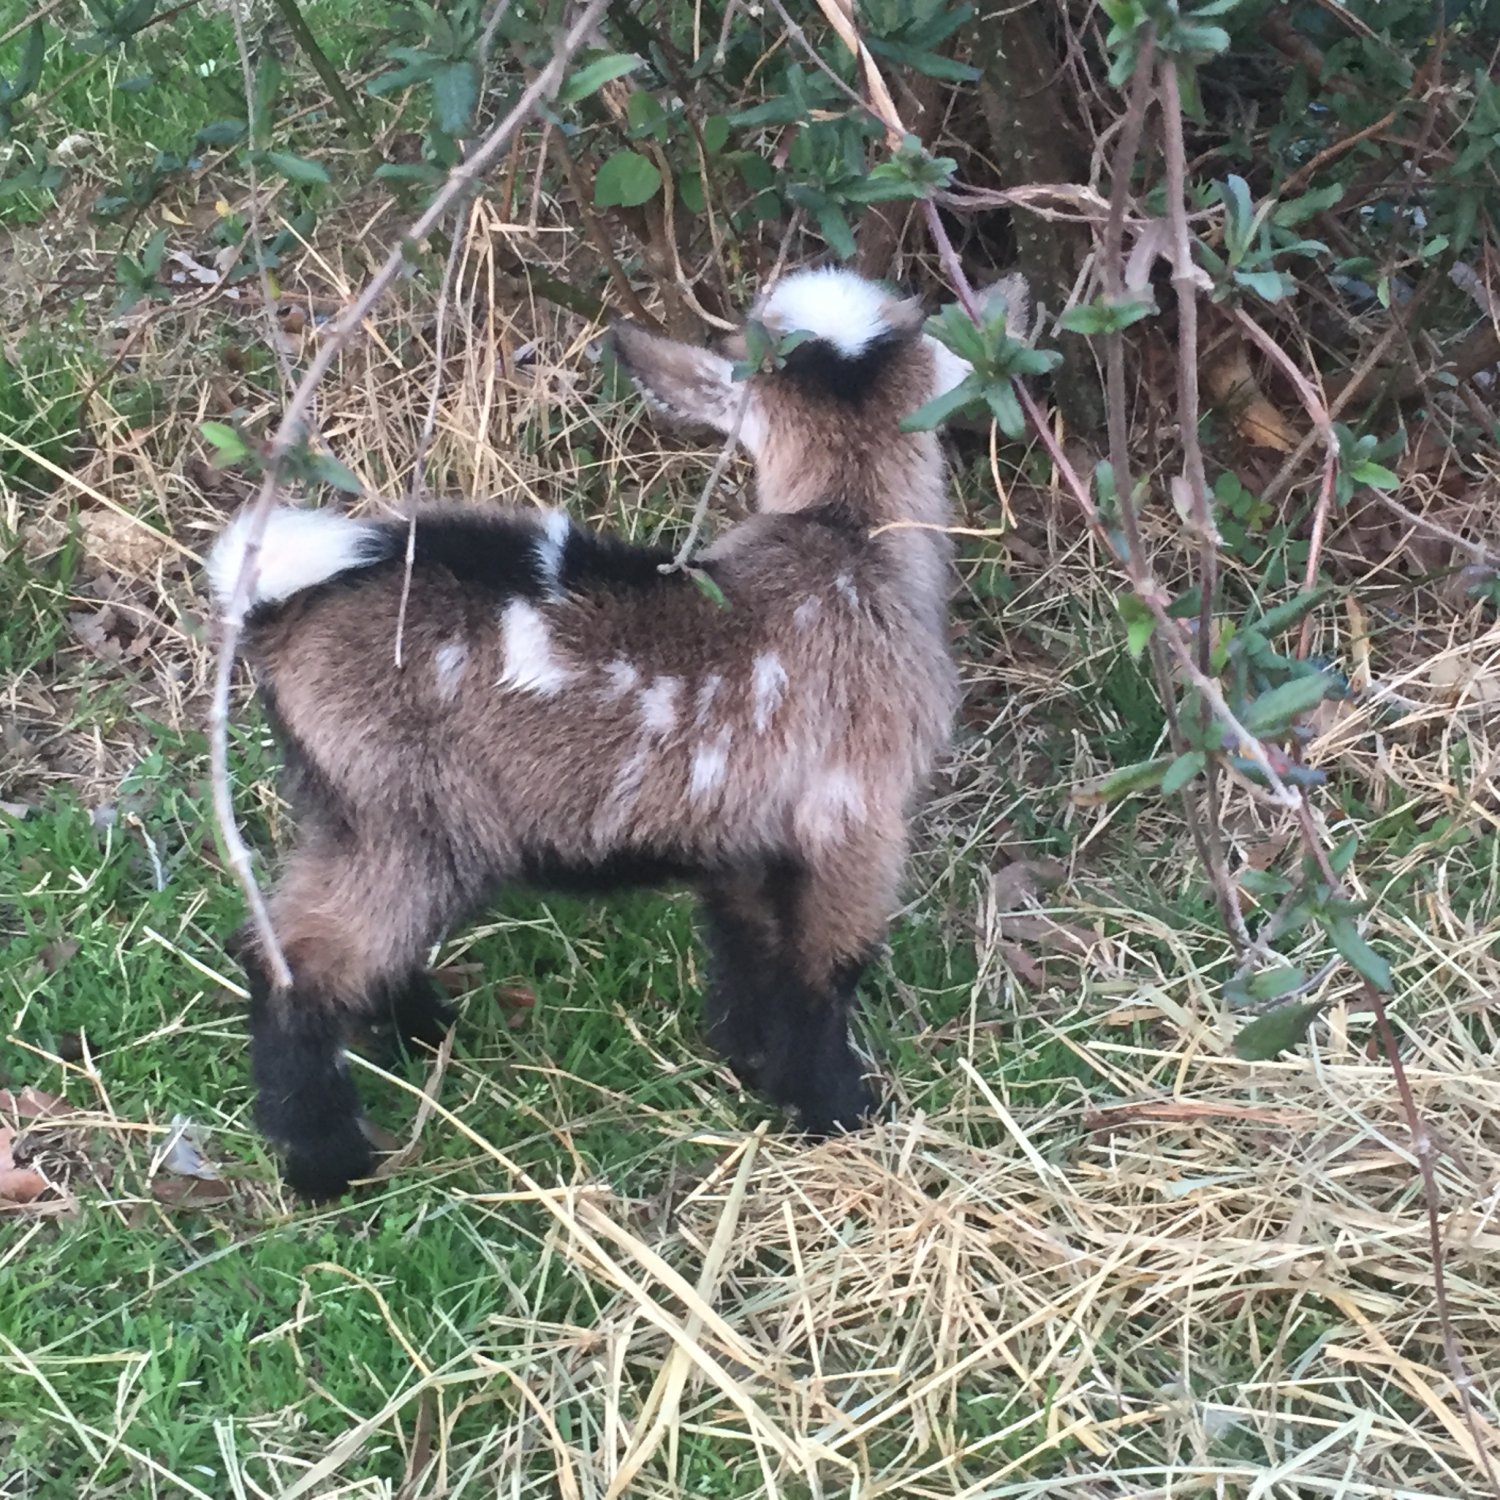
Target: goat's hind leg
(353,925)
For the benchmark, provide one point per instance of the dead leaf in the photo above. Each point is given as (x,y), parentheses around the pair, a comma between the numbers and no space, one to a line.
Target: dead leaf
(119,543)
(190,1192)
(181,1156)
(31,1104)
(20,1186)
(1231,383)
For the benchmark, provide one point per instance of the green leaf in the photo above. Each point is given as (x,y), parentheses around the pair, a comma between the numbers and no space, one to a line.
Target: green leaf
(1122,783)
(1275,710)
(1182,770)
(1263,884)
(332,472)
(1297,210)
(1139,623)
(1268,1036)
(1284,616)
(1103,316)
(151,256)
(1268,984)
(220,133)
(967,392)
(645,116)
(715,134)
(455,92)
(1271,285)
(592,77)
(690,192)
(1343,856)
(231,447)
(836,231)
(1377,476)
(1006,409)
(297,168)
(708,587)
(31,65)
(1360,955)
(626,179)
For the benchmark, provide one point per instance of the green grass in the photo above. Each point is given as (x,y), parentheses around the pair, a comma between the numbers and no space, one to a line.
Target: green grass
(202,1317)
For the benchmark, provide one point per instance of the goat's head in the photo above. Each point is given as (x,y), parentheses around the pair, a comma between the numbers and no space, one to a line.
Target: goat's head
(820,414)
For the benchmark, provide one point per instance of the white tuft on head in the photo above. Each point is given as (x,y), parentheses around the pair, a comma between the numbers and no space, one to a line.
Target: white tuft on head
(832,304)
(298,550)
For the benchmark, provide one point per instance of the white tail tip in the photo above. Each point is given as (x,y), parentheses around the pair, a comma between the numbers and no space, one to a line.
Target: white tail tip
(299,549)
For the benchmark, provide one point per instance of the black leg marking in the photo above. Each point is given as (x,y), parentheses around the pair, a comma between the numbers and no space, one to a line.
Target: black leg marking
(417,1014)
(306,1103)
(782,1037)
(813,1069)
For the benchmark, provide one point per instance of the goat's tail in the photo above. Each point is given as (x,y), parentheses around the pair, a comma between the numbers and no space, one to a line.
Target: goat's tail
(299,549)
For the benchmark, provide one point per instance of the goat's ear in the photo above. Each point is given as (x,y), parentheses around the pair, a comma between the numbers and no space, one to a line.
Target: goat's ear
(684,381)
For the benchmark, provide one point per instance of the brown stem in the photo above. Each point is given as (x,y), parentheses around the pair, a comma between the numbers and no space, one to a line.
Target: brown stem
(296,23)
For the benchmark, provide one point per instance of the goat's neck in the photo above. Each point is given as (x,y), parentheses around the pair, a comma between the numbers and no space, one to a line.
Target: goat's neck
(902,488)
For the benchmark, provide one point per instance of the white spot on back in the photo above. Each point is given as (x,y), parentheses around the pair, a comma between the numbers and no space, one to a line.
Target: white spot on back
(831,303)
(805,615)
(622,676)
(531,664)
(659,705)
(448,665)
(549,547)
(833,800)
(622,796)
(768,687)
(708,690)
(710,764)
(845,585)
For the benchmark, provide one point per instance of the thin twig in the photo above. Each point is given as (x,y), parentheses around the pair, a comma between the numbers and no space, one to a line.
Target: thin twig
(429,422)
(287,433)
(715,474)
(267,290)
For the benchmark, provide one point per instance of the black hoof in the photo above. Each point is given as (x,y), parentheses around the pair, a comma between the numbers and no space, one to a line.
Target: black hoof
(843,1110)
(411,1019)
(323,1170)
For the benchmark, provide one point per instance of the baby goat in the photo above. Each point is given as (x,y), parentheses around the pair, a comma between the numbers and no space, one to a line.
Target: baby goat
(569,716)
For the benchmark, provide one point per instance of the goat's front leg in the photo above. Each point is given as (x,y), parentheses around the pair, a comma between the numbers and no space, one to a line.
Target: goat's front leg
(834,920)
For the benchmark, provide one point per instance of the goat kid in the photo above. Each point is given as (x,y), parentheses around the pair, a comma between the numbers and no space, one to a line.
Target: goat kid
(569,716)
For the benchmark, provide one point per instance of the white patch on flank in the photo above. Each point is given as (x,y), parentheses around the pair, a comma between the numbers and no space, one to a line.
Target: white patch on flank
(833,801)
(622,796)
(531,665)
(768,688)
(659,705)
(710,764)
(708,690)
(623,676)
(845,585)
(832,304)
(549,548)
(806,614)
(448,667)
(298,550)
